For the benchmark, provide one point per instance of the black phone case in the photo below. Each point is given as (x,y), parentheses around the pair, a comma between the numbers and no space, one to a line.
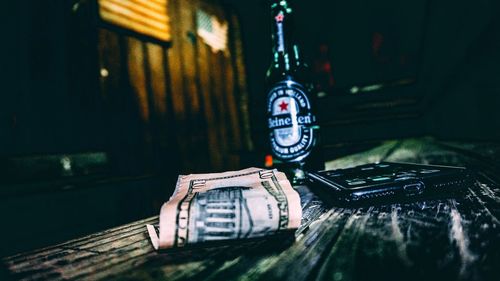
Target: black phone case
(390,182)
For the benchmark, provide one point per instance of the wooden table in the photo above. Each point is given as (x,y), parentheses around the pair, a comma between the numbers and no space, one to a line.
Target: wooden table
(450,239)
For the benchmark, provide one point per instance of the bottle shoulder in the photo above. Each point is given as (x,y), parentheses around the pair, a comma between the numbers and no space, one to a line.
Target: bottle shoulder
(299,74)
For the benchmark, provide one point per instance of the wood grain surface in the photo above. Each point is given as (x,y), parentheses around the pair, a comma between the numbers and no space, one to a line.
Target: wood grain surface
(447,239)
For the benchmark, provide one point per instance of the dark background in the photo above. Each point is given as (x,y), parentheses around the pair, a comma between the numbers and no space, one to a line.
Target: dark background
(457,64)
(449,49)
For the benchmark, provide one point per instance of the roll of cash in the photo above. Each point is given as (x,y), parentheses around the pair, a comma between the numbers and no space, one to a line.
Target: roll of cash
(227,206)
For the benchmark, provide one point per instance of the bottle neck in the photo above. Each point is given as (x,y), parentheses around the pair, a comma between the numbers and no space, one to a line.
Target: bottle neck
(286,54)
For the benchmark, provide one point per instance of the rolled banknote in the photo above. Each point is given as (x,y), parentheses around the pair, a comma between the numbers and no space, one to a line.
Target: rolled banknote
(227,206)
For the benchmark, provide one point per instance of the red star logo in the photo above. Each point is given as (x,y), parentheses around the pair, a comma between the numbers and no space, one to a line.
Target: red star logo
(280,17)
(283,106)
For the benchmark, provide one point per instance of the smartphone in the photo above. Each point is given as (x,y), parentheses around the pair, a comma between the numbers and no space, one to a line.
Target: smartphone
(390,182)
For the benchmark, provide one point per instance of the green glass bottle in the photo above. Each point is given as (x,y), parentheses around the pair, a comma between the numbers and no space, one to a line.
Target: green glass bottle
(292,122)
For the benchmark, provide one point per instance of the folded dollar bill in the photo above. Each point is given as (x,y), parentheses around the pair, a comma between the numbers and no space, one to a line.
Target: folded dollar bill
(227,206)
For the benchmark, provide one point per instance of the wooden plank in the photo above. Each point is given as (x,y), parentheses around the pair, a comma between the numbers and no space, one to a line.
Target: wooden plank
(163,123)
(176,67)
(382,236)
(233,120)
(155,56)
(135,58)
(240,90)
(207,92)
(109,260)
(196,123)
(186,41)
(154,77)
(479,219)
(59,260)
(218,73)
(76,243)
(177,87)
(233,105)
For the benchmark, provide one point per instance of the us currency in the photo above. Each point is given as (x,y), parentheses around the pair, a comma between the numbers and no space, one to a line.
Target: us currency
(226,206)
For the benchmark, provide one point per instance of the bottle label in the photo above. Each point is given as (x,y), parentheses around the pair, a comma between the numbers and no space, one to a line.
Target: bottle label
(290,121)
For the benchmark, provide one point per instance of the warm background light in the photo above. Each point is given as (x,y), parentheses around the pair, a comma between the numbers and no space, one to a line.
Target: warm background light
(148,17)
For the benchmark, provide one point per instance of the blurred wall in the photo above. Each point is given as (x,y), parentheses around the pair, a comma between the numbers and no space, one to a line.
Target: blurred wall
(458,72)
(57,100)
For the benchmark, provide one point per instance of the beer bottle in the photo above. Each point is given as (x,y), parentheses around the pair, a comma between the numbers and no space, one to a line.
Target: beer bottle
(293,126)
